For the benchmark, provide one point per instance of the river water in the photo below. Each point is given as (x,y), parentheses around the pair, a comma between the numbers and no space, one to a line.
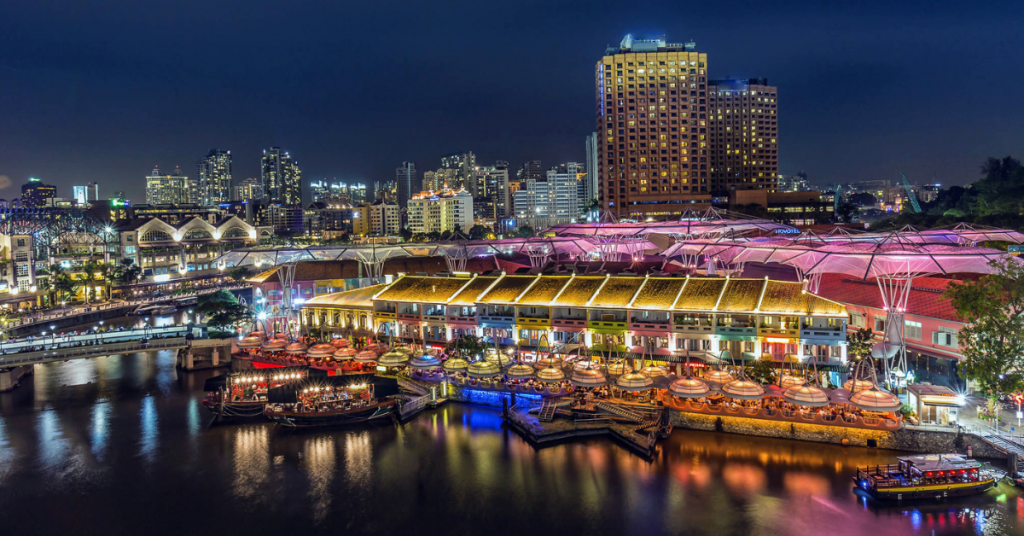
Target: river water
(119,444)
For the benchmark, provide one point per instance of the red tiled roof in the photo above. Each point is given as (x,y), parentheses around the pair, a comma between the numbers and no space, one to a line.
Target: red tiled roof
(925,295)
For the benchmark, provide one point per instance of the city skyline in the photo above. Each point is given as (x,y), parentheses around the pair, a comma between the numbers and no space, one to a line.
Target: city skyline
(74,115)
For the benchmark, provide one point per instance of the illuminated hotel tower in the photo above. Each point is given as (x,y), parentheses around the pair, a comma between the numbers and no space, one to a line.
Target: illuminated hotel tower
(652,128)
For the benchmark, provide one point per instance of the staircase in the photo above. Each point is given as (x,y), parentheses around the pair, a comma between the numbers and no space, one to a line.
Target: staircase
(1005,444)
(412,386)
(615,409)
(547,410)
(645,425)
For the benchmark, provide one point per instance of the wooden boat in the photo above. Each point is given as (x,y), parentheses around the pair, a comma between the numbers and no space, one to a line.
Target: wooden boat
(244,395)
(930,476)
(333,401)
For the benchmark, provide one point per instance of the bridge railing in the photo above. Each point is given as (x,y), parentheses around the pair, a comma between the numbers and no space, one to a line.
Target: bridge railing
(31,358)
(64,341)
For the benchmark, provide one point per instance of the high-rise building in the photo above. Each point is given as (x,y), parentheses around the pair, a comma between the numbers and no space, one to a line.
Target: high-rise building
(441,211)
(407,181)
(213,173)
(357,193)
(249,190)
(491,199)
(743,128)
(380,218)
(793,183)
(36,194)
(462,166)
(564,185)
(530,170)
(86,194)
(385,190)
(282,177)
(652,128)
(590,182)
(320,191)
(170,189)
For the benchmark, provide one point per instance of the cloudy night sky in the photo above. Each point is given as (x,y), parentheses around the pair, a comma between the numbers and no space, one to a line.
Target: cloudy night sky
(103,91)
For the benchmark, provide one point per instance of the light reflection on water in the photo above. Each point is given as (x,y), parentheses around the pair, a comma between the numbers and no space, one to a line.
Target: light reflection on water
(139,422)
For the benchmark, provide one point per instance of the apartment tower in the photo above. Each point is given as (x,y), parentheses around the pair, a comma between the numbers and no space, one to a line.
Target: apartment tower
(744,128)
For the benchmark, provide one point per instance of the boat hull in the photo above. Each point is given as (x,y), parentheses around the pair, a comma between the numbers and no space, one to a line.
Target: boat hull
(930,492)
(334,418)
(238,410)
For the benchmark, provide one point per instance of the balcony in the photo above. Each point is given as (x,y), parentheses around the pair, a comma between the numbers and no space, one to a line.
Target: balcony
(605,325)
(573,324)
(776,331)
(408,317)
(536,323)
(462,319)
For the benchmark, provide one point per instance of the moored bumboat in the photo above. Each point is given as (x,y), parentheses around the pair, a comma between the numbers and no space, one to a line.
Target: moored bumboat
(244,394)
(333,401)
(930,476)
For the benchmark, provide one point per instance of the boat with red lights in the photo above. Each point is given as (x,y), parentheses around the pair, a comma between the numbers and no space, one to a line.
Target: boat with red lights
(244,394)
(333,401)
(928,476)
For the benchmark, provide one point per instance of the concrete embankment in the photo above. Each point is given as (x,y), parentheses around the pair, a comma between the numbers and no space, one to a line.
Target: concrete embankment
(907,439)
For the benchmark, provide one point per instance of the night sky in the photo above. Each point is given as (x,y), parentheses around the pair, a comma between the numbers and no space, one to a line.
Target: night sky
(102,91)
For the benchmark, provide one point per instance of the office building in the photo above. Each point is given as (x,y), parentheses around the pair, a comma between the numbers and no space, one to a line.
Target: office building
(326,222)
(320,191)
(441,211)
(530,170)
(281,177)
(170,189)
(743,129)
(380,218)
(652,128)
(36,194)
(213,173)
(407,182)
(792,183)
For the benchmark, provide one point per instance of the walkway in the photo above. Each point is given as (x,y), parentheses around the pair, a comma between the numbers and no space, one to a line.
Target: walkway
(82,352)
(30,319)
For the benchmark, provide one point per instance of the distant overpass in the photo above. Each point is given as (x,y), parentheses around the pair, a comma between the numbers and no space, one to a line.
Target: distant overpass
(93,345)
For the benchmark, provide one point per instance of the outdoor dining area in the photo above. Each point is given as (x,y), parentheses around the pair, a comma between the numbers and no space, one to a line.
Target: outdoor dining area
(337,356)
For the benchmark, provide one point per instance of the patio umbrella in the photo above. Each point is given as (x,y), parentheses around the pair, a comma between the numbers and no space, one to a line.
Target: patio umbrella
(393,359)
(806,395)
(688,387)
(344,353)
(634,381)
(788,380)
(366,356)
(550,374)
(588,377)
(425,361)
(520,370)
(654,370)
(250,342)
(743,389)
(455,364)
(619,368)
(296,348)
(483,369)
(321,350)
(876,399)
(717,378)
(275,345)
(340,343)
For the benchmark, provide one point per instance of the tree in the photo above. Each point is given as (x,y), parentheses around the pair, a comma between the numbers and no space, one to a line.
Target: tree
(468,346)
(222,310)
(240,273)
(862,199)
(762,372)
(525,231)
(126,272)
(859,342)
(478,232)
(846,212)
(992,343)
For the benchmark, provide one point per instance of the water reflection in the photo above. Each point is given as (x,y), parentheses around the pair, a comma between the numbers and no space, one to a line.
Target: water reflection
(455,470)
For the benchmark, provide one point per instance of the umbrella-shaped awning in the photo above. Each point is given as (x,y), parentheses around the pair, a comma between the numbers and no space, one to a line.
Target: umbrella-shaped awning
(425,361)
(546,362)
(366,356)
(250,342)
(550,374)
(275,345)
(588,377)
(876,399)
(520,370)
(688,388)
(619,368)
(788,380)
(455,364)
(296,348)
(340,343)
(743,389)
(345,353)
(857,385)
(321,350)
(393,359)
(483,369)
(806,395)
(634,381)
(717,378)
(654,370)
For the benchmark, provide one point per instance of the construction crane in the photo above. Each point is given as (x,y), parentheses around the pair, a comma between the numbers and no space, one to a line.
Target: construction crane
(910,194)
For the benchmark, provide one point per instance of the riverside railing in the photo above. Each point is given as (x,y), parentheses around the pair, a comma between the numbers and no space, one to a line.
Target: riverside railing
(80,352)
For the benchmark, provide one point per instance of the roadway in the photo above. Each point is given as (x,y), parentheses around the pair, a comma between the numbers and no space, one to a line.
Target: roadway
(62,348)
